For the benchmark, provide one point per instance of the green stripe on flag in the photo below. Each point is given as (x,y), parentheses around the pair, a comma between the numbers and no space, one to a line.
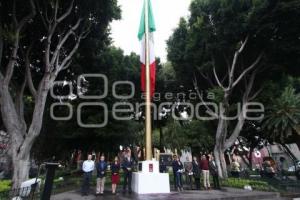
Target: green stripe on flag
(151,21)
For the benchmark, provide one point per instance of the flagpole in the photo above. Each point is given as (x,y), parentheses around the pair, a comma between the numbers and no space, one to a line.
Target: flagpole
(147,91)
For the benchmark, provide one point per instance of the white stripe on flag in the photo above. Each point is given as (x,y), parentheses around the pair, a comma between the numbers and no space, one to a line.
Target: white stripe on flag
(151,49)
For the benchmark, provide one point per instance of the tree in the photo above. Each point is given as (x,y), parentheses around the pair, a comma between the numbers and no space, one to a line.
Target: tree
(224,139)
(60,28)
(213,47)
(68,135)
(227,45)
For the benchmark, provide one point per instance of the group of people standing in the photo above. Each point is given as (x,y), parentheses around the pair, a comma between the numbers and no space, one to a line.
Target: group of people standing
(193,170)
(101,167)
(206,166)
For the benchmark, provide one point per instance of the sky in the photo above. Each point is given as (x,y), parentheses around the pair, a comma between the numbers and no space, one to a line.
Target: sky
(166,14)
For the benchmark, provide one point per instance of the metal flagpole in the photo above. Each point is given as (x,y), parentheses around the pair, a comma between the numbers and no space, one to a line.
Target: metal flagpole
(148,93)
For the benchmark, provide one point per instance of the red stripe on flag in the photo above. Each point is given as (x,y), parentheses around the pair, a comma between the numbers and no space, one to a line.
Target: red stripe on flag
(152,78)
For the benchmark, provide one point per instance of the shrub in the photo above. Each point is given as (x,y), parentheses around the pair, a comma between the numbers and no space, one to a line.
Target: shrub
(5,185)
(240,183)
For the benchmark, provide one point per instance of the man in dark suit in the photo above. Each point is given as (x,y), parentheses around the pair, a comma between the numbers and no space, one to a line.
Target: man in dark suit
(101,173)
(178,170)
(127,166)
(214,172)
(196,172)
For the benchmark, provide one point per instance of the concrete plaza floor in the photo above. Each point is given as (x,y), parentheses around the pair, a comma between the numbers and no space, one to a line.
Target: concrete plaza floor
(224,194)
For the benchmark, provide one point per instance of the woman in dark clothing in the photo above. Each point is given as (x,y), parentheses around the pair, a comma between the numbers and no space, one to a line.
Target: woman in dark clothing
(178,170)
(196,172)
(115,177)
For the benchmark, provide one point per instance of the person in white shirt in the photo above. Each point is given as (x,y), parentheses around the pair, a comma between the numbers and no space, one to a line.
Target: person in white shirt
(88,167)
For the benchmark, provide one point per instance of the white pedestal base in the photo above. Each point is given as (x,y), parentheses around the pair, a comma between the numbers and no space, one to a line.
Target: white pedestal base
(150,181)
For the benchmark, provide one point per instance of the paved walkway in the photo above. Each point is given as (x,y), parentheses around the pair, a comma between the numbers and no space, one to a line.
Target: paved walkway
(226,194)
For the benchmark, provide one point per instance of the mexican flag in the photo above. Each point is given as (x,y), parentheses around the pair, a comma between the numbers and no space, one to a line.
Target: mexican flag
(142,39)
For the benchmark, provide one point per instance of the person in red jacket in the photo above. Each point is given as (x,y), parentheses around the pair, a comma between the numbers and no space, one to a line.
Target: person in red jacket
(204,165)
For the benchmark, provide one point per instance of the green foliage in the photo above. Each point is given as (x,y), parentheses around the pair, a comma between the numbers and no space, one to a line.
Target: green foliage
(215,29)
(5,185)
(167,73)
(218,94)
(283,115)
(177,53)
(195,134)
(240,183)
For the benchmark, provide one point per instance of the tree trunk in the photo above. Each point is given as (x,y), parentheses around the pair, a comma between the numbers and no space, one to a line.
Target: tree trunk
(219,149)
(20,155)
(220,162)
(21,167)
(220,141)
(21,141)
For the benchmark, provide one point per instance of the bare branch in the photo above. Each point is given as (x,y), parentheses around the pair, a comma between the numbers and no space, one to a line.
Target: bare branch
(249,86)
(224,78)
(53,23)
(28,72)
(57,61)
(1,46)
(249,98)
(217,78)
(49,21)
(234,62)
(256,94)
(13,58)
(11,64)
(48,48)
(248,69)
(67,65)
(243,44)
(67,13)
(67,60)
(209,110)
(62,42)
(220,83)
(20,103)
(44,20)
(227,62)
(55,10)
(205,76)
